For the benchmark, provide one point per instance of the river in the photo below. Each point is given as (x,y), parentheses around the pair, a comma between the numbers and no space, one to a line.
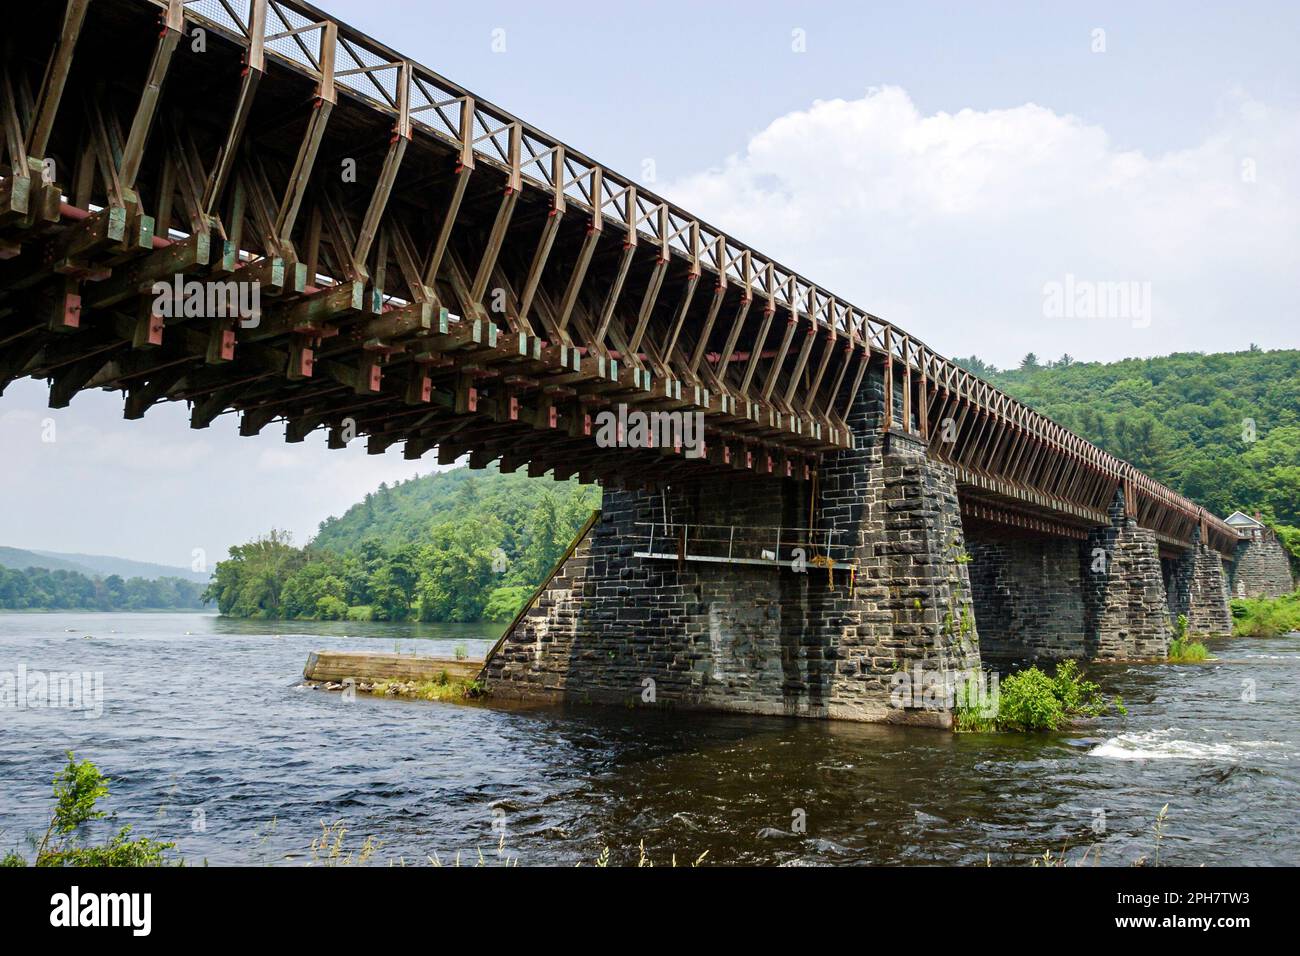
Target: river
(210,741)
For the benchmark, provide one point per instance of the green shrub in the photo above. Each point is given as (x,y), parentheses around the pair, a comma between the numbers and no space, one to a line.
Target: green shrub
(77,788)
(361,612)
(1183,651)
(1078,696)
(1030,700)
(330,608)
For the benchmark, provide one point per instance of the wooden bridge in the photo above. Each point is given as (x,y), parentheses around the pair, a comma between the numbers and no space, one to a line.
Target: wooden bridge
(433,271)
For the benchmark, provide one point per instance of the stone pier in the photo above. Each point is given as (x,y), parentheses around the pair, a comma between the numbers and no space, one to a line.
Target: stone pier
(912,591)
(1198,590)
(1261,568)
(1126,613)
(768,638)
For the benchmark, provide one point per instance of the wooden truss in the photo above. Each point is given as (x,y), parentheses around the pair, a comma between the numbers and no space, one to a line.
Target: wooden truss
(432,271)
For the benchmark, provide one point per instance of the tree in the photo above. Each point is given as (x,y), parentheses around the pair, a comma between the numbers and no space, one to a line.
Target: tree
(250,581)
(456,573)
(976,366)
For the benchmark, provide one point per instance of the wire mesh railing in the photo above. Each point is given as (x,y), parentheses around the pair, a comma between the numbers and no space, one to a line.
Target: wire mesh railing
(798,549)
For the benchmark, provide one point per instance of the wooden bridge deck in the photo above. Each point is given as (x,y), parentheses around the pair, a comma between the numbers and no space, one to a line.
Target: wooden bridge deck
(434,271)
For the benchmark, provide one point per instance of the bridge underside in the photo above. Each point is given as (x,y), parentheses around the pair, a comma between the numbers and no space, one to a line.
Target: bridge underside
(433,272)
(421,279)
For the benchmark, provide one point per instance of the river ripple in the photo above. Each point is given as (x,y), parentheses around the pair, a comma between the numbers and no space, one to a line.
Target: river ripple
(211,742)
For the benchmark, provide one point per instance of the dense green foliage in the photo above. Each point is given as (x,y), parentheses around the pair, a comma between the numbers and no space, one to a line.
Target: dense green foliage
(451,546)
(1031,700)
(1222,429)
(77,790)
(44,590)
(1266,617)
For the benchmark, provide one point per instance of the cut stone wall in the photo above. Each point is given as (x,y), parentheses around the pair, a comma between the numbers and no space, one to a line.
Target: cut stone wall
(1125,608)
(1028,595)
(1261,569)
(1198,589)
(616,628)
(613,627)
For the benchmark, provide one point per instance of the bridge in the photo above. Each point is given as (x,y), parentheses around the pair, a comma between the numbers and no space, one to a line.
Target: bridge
(250,207)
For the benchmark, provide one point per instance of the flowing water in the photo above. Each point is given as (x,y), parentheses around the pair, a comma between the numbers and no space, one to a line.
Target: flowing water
(210,741)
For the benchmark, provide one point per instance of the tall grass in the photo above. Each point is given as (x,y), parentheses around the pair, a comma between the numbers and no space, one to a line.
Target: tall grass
(1185,651)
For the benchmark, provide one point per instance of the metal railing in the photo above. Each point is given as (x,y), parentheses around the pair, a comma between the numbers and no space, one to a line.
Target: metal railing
(798,549)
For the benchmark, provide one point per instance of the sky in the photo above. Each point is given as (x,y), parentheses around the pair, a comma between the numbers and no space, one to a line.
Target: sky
(1104,180)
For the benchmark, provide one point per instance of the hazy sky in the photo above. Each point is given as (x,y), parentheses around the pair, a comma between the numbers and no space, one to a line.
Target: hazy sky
(942,165)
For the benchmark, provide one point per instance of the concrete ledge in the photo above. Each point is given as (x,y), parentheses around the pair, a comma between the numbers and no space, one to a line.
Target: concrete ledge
(337,666)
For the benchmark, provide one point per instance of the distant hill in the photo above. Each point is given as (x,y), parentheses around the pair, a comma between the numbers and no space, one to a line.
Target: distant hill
(20,560)
(456,545)
(94,565)
(394,515)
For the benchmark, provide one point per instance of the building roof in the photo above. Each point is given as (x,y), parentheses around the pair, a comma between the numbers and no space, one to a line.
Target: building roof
(1240,520)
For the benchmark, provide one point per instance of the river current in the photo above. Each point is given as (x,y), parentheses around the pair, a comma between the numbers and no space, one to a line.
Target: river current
(211,741)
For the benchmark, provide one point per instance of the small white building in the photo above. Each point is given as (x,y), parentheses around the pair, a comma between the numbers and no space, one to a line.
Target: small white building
(1246,526)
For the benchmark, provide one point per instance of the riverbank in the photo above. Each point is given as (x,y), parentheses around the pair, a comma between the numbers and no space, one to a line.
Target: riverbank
(1266,617)
(118,610)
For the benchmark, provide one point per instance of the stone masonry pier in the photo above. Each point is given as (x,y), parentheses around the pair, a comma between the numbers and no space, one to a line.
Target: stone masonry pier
(913,587)
(616,628)
(1261,568)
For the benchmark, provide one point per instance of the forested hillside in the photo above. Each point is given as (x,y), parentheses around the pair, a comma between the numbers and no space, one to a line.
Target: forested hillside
(1223,429)
(452,546)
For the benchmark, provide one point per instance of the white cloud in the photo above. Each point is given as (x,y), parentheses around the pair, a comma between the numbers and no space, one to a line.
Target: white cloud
(156,489)
(950,224)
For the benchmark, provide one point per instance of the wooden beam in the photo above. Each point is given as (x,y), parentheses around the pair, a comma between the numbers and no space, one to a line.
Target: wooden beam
(254,69)
(128,166)
(287,215)
(378,203)
(56,78)
(597,225)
